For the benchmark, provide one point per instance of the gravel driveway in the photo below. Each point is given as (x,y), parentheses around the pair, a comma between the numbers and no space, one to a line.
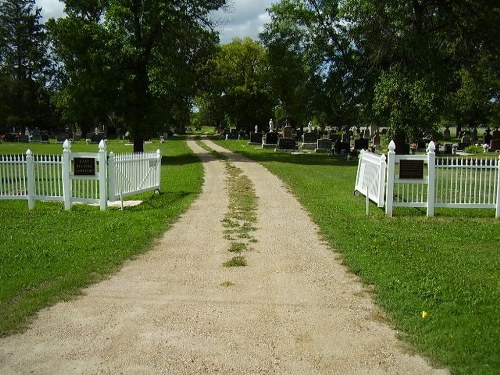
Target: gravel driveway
(294,309)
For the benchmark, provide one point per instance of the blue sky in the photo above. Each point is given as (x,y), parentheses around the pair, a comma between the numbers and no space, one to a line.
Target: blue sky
(244,18)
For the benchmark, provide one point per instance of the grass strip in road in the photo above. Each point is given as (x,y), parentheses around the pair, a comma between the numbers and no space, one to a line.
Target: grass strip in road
(49,254)
(448,266)
(241,216)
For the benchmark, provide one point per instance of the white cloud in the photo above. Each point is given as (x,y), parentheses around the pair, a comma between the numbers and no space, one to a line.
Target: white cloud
(244,18)
(51,8)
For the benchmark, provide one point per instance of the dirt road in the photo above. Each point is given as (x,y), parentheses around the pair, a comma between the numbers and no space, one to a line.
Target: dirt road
(292,310)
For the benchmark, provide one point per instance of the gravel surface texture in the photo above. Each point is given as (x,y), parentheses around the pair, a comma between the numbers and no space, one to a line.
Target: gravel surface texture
(294,309)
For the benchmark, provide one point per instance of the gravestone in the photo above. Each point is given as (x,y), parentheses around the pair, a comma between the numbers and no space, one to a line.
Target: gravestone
(286,144)
(61,137)
(255,138)
(341,148)
(495,134)
(487,137)
(45,137)
(361,144)
(233,134)
(287,131)
(346,137)
(446,134)
(309,141)
(324,145)
(495,145)
(37,136)
(448,149)
(473,134)
(366,133)
(376,140)
(270,140)
(96,138)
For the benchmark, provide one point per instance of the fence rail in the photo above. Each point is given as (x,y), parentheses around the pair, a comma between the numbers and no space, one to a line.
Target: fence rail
(133,173)
(62,177)
(430,182)
(370,179)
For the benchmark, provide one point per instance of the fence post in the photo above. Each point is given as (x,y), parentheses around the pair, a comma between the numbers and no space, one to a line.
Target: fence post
(497,212)
(66,170)
(112,177)
(381,181)
(391,164)
(431,178)
(158,168)
(103,167)
(30,175)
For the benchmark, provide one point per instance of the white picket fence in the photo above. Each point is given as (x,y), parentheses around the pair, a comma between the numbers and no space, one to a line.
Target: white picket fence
(78,176)
(453,182)
(133,173)
(370,179)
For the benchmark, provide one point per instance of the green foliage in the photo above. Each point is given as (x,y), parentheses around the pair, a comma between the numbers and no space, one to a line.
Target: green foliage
(49,254)
(238,261)
(24,68)
(137,60)
(237,93)
(407,105)
(406,65)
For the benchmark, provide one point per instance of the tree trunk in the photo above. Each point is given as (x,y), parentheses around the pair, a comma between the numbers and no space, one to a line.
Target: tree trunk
(138,144)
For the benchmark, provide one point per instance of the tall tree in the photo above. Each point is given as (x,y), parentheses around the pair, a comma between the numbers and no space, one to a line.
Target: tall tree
(140,57)
(24,64)
(413,52)
(308,36)
(238,92)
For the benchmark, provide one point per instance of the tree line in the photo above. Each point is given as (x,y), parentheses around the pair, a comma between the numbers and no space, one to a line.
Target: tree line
(144,66)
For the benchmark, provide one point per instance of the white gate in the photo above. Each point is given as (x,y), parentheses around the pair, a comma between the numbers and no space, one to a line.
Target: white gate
(78,176)
(430,182)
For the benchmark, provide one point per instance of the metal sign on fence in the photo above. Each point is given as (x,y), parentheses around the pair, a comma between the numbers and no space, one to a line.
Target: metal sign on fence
(84,166)
(411,169)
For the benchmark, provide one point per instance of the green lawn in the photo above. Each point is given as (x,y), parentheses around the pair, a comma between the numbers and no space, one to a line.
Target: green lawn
(49,254)
(448,265)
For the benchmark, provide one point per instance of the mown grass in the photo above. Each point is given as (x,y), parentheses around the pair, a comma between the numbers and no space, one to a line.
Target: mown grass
(49,254)
(447,265)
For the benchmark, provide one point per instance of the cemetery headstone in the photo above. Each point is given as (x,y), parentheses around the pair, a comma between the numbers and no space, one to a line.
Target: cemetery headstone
(271,126)
(487,137)
(376,140)
(309,141)
(286,144)
(495,145)
(287,131)
(233,134)
(341,148)
(270,140)
(366,133)
(255,138)
(37,136)
(495,134)
(61,137)
(361,144)
(446,134)
(473,134)
(45,137)
(324,145)
(346,137)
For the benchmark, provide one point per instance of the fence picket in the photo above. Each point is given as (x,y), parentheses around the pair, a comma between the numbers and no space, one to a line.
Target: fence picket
(450,182)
